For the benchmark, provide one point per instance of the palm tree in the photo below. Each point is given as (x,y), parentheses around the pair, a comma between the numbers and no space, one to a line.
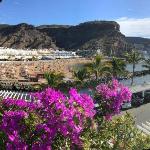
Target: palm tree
(34,58)
(134,57)
(99,67)
(53,79)
(118,67)
(147,64)
(81,74)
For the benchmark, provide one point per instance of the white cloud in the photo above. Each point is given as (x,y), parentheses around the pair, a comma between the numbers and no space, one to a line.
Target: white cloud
(135,27)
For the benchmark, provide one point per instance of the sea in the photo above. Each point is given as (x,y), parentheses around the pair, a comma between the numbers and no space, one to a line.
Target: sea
(137,80)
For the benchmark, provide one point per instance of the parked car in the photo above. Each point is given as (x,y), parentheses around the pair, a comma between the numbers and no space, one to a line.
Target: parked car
(137,100)
(147,96)
(126,105)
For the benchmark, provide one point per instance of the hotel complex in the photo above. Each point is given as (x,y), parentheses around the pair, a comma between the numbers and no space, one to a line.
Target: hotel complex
(9,54)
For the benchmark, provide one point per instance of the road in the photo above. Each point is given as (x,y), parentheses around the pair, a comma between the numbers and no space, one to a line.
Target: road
(142,117)
(141,113)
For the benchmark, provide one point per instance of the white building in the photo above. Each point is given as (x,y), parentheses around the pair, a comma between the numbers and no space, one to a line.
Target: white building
(61,55)
(19,54)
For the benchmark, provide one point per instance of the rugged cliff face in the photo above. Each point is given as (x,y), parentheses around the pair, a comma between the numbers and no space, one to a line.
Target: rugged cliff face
(104,35)
(24,36)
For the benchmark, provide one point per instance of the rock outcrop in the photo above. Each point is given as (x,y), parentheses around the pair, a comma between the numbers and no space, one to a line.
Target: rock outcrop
(24,36)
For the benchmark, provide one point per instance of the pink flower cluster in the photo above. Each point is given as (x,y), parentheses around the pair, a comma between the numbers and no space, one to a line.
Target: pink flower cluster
(66,115)
(111,96)
(12,127)
(34,125)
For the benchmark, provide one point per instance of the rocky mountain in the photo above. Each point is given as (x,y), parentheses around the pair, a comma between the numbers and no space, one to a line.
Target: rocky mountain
(103,35)
(142,44)
(24,36)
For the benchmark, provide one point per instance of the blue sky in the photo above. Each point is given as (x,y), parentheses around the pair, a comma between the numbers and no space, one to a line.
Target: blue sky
(126,12)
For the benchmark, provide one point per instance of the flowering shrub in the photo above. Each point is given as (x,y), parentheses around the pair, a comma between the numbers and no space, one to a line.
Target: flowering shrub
(53,120)
(110,97)
(118,134)
(41,124)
